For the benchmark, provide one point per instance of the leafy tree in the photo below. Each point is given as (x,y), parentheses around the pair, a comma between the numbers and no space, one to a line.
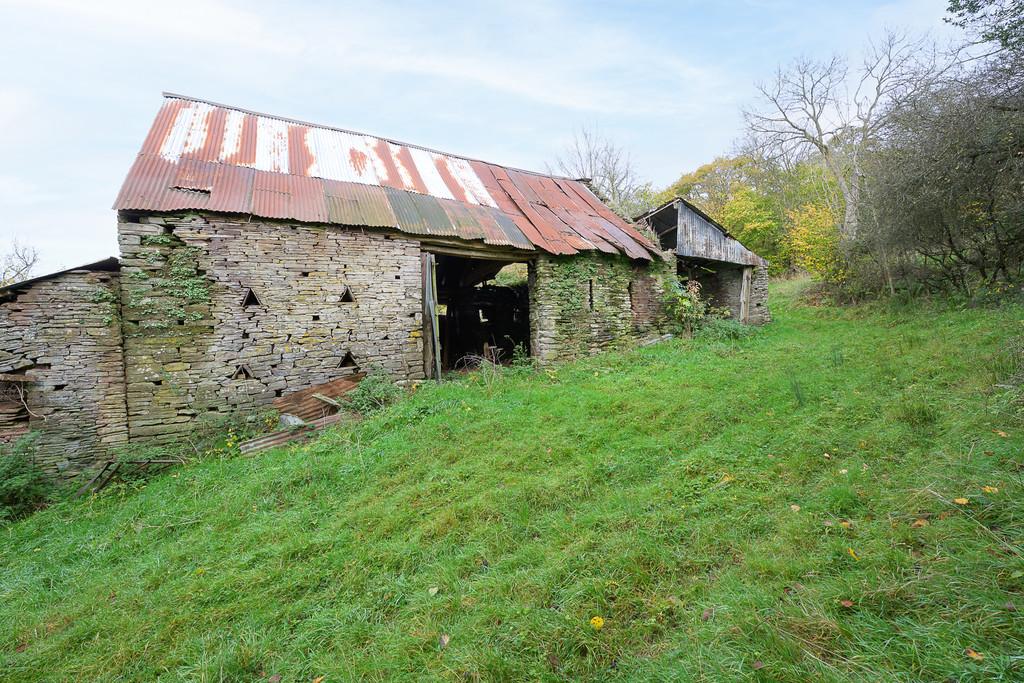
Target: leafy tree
(946,200)
(999,21)
(825,109)
(813,241)
(712,185)
(752,218)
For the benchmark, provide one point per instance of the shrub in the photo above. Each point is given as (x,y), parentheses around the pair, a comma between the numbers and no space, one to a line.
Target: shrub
(376,391)
(24,487)
(687,309)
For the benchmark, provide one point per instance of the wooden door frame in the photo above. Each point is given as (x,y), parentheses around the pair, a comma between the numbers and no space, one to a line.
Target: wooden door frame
(431,342)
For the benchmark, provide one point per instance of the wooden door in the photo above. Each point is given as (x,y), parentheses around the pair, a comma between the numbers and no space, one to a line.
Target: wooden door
(745,295)
(431,343)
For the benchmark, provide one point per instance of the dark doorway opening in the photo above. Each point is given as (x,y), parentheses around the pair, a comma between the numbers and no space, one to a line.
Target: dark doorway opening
(482,311)
(726,285)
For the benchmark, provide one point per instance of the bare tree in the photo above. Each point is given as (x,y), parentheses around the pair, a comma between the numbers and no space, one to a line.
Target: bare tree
(824,108)
(17,264)
(608,169)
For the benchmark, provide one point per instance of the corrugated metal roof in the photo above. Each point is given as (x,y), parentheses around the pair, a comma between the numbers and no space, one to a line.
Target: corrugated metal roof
(201,155)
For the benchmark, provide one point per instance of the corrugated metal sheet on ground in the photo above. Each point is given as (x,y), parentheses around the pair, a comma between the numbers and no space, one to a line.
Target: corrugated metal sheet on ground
(203,156)
(304,403)
(280,438)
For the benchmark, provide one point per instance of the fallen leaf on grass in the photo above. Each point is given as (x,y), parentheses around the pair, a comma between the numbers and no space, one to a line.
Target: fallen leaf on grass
(758,664)
(846,524)
(961,501)
(846,603)
(990,489)
(794,507)
(444,640)
(974,654)
(276,678)
(918,523)
(318,679)
(433,590)
(1000,433)
(853,554)
(21,647)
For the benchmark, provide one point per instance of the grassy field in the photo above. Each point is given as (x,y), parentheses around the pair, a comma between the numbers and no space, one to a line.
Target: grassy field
(782,507)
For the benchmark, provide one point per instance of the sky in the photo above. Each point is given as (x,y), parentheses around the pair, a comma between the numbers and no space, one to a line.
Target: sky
(508,82)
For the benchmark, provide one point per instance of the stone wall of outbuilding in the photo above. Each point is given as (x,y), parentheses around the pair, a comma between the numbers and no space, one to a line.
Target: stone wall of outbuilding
(63,336)
(213,314)
(759,313)
(225,314)
(582,304)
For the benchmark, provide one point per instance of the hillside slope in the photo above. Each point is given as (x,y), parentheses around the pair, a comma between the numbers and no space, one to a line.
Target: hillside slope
(733,510)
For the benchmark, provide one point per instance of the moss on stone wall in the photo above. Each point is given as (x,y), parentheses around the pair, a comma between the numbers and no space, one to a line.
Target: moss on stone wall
(588,302)
(172,290)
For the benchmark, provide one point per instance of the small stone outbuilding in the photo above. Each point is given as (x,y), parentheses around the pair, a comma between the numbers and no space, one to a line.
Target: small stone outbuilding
(261,256)
(61,365)
(730,275)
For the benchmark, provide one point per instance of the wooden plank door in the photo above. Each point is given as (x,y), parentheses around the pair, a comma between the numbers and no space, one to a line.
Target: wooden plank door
(745,295)
(431,343)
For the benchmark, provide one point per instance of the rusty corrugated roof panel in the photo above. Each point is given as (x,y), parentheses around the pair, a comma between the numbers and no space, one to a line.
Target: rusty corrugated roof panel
(201,155)
(354,204)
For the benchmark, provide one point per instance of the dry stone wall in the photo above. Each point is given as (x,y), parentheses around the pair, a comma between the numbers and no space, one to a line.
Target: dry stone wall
(588,302)
(759,314)
(64,336)
(225,314)
(213,313)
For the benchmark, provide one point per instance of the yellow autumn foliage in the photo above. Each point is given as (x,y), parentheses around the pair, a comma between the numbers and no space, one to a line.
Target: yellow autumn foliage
(813,242)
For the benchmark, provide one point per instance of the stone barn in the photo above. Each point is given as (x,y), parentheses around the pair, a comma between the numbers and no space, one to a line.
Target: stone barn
(262,256)
(730,275)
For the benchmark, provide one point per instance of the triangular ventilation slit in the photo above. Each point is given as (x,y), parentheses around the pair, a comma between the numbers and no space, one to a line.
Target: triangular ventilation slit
(241,372)
(251,299)
(348,361)
(347,296)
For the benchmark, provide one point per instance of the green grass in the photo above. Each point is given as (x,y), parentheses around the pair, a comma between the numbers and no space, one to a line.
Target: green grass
(655,488)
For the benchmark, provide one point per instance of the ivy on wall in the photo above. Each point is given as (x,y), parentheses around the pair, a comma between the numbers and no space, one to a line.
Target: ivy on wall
(582,303)
(175,292)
